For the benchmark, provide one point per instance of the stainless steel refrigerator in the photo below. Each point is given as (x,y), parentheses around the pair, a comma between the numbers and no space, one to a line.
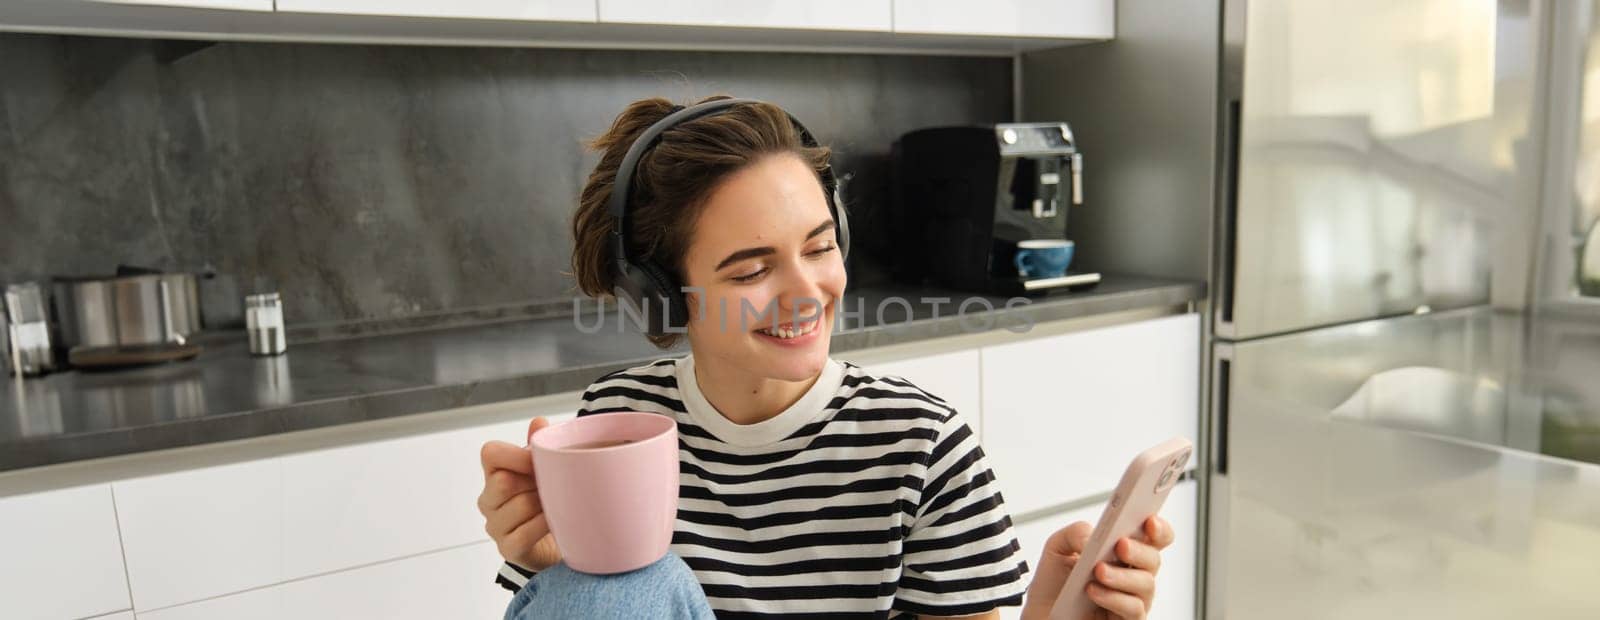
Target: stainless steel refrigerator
(1377,163)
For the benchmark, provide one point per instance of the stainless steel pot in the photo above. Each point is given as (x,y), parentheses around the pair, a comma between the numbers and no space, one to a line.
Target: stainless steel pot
(128,311)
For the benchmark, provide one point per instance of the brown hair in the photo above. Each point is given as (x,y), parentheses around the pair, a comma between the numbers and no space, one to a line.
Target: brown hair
(672,183)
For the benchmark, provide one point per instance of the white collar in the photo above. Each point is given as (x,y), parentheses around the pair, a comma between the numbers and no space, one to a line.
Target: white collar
(772,430)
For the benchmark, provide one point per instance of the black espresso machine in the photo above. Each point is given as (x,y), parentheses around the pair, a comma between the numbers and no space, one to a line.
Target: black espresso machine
(964,197)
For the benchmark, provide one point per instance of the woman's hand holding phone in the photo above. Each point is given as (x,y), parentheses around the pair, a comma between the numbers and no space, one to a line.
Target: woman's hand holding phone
(1125,546)
(1119,592)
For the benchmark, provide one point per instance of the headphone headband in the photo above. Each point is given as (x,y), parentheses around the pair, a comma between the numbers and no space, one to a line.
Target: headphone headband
(617,204)
(621,188)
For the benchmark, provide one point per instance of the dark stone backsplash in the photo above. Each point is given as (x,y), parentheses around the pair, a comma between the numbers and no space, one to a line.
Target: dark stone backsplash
(371,182)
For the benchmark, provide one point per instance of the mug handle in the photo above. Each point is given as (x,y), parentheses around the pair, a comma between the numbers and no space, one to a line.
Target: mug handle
(1020,259)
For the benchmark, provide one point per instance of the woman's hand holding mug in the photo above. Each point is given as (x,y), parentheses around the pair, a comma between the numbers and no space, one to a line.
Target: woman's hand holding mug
(512,514)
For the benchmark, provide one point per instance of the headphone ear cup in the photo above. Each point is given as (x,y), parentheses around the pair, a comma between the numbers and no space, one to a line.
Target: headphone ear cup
(666,296)
(842,221)
(642,286)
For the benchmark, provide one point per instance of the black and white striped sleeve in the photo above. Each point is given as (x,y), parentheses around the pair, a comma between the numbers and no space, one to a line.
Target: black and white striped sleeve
(513,577)
(961,556)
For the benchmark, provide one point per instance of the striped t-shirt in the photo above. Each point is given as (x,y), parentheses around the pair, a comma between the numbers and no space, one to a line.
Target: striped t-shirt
(867,496)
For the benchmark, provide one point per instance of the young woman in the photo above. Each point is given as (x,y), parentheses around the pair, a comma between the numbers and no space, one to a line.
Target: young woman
(809,486)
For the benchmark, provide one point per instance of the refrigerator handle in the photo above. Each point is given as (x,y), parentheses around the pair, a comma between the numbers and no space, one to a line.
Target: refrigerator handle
(1221,405)
(1229,217)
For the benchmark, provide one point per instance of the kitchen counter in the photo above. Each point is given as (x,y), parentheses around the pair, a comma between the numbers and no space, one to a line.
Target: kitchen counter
(226,394)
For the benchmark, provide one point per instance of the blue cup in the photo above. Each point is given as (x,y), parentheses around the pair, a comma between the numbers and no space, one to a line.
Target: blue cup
(1043,258)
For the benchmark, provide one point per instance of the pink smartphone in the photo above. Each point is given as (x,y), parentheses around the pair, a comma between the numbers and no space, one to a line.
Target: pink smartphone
(1144,487)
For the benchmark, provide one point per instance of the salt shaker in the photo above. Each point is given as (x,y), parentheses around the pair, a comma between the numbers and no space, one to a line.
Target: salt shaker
(27,341)
(263,316)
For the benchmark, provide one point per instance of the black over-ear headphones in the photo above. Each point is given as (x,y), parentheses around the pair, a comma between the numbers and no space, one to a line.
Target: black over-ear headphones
(648,284)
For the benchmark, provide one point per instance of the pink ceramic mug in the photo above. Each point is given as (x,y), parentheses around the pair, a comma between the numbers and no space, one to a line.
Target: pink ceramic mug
(609,485)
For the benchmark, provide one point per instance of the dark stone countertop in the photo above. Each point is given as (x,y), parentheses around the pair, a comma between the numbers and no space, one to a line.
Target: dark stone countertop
(226,394)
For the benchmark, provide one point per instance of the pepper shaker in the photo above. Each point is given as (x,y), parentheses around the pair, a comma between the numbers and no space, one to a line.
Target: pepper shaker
(264,321)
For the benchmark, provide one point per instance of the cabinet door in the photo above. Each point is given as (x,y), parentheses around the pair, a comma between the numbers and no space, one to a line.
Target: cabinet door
(303,514)
(1174,582)
(454,583)
(869,15)
(520,10)
(951,376)
(59,555)
(1063,415)
(1069,19)
(232,5)
(199,533)
(355,505)
(1180,562)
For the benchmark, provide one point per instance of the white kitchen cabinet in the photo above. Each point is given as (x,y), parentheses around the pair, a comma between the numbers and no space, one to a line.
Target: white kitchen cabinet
(518,10)
(950,376)
(1066,19)
(1064,414)
(359,504)
(231,5)
(212,531)
(1174,582)
(59,555)
(852,15)
(1175,592)
(452,583)
(203,532)
(1002,28)
(121,615)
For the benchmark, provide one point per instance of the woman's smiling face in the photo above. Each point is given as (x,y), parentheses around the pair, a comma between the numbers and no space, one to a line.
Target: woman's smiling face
(765,242)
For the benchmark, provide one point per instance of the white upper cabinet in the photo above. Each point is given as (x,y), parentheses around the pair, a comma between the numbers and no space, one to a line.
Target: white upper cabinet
(231,5)
(519,10)
(868,15)
(960,27)
(1064,19)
